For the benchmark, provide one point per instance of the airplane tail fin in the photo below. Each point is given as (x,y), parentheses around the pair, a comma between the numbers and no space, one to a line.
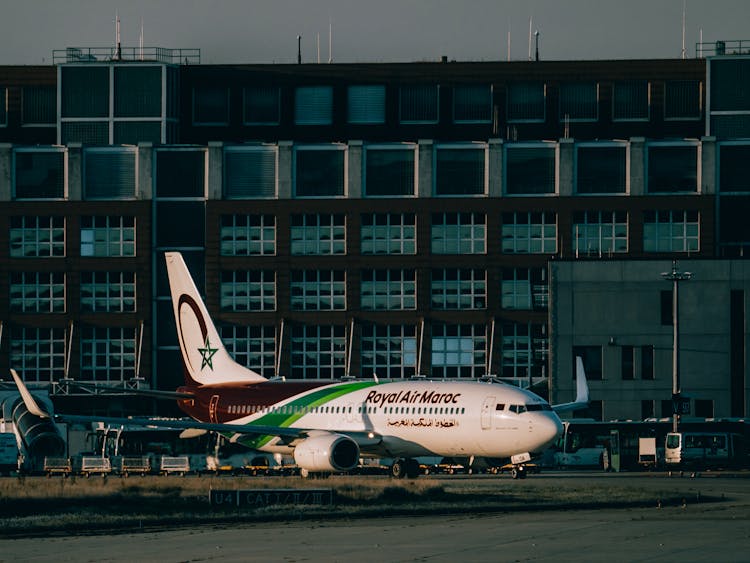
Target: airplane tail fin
(203,354)
(582,390)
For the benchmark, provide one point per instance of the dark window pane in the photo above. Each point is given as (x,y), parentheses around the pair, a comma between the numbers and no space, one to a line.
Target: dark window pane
(109,174)
(682,99)
(419,103)
(530,170)
(39,105)
(733,168)
(250,173)
(319,173)
(389,172)
(137,91)
(472,104)
(180,223)
(579,101)
(134,132)
(630,100)
(459,171)
(39,174)
(180,173)
(672,169)
(601,170)
(85,91)
(526,102)
(261,105)
(211,105)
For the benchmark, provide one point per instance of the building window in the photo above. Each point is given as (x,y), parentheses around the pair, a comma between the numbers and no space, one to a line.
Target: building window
(261,105)
(318,352)
(672,168)
(3,106)
(38,353)
(389,350)
(665,307)
(647,361)
(600,232)
(529,233)
(592,361)
(248,235)
(39,105)
(389,170)
(319,172)
(108,292)
(524,289)
(454,288)
(472,103)
(318,290)
(648,409)
(138,91)
(107,236)
(252,346)
(458,233)
(107,354)
(601,169)
(39,173)
(84,132)
(530,169)
(37,292)
(525,349)
(704,408)
(253,290)
(733,176)
(110,173)
(579,101)
(418,103)
(527,102)
(134,132)
(389,233)
(630,100)
(249,172)
(384,290)
(627,362)
(671,231)
(366,104)
(318,234)
(460,170)
(180,173)
(84,91)
(210,105)
(683,99)
(37,237)
(313,105)
(458,350)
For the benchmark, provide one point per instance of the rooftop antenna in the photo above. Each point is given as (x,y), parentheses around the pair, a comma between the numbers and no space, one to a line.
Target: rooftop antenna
(700,43)
(318,48)
(118,48)
(140,43)
(536,38)
(299,49)
(684,8)
(330,41)
(530,37)
(508,42)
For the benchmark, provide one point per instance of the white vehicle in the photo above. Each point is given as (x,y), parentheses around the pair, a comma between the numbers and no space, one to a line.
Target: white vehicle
(704,450)
(328,425)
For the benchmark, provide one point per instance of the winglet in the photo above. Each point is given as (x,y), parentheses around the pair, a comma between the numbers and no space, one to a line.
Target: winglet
(27,397)
(582,390)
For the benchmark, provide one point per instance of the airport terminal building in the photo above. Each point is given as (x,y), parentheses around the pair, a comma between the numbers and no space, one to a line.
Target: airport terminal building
(442,219)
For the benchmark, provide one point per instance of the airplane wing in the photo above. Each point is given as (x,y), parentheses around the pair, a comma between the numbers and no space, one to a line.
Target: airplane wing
(582,391)
(288,434)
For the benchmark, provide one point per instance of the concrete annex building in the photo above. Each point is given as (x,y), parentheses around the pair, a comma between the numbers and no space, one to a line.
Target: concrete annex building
(451,219)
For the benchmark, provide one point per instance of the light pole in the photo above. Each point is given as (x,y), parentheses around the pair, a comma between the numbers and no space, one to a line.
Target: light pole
(675,277)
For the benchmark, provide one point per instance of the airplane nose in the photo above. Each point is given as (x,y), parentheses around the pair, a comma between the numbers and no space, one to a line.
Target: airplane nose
(549,428)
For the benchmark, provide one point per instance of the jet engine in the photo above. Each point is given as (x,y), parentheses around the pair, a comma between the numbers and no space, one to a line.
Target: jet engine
(40,436)
(327,452)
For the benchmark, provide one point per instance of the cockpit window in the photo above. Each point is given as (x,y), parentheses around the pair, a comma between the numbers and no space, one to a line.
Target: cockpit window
(500,407)
(539,407)
(518,409)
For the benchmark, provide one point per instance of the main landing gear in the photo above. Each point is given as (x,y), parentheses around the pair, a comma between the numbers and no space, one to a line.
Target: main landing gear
(405,468)
(518,472)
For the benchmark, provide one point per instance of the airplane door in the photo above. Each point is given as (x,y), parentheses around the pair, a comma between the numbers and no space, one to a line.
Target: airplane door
(488,408)
(213,406)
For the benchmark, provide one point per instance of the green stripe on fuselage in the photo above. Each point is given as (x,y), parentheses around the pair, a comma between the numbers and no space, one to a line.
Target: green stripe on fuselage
(302,404)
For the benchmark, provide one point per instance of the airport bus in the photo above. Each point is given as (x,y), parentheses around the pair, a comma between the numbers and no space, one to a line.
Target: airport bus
(705,450)
(615,445)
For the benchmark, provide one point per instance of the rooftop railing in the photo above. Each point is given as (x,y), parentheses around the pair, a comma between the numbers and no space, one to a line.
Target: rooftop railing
(719,48)
(126,54)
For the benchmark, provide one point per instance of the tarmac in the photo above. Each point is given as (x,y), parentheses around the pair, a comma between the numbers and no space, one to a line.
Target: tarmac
(694,531)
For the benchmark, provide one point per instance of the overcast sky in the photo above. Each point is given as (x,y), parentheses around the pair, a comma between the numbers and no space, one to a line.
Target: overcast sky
(265,31)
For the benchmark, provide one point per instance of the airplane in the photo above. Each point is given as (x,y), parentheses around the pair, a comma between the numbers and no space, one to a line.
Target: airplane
(328,425)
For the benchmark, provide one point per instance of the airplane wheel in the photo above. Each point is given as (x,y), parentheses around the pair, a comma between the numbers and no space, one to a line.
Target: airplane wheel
(398,469)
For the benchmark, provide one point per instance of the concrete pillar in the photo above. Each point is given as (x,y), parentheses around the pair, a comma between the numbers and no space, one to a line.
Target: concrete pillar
(637,166)
(145,186)
(354,170)
(75,172)
(495,168)
(6,160)
(708,167)
(425,168)
(215,169)
(285,175)
(566,167)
